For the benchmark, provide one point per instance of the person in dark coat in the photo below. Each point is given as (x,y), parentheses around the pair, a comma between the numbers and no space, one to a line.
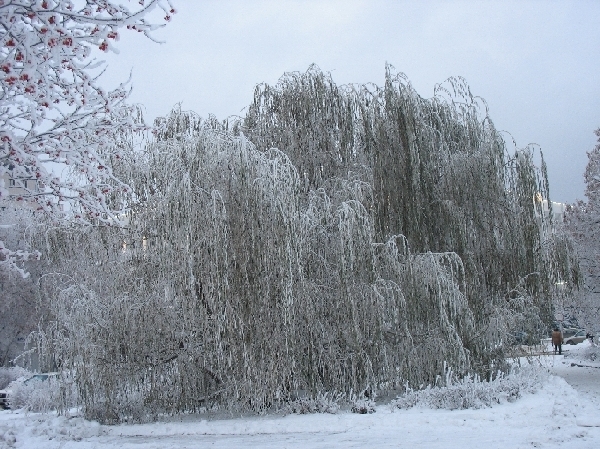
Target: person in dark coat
(557,340)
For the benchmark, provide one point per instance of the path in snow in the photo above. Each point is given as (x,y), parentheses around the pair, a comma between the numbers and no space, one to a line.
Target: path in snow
(584,376)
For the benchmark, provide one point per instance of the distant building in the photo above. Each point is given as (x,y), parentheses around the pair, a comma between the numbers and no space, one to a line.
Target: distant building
(20,190)
(558,210)
(542,209)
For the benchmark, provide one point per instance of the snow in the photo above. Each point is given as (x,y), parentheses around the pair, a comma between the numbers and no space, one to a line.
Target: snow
(564,412)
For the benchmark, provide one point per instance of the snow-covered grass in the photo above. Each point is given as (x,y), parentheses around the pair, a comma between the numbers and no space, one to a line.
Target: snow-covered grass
(471,393)
(331,403)
(556,415)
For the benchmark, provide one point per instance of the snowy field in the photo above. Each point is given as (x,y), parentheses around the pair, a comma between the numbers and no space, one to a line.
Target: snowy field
(564,413)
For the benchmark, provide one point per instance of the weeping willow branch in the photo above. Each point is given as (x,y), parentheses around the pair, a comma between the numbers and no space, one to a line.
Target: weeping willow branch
(335,238)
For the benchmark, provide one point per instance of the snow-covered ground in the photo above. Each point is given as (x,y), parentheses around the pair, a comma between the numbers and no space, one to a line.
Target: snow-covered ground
(564,413)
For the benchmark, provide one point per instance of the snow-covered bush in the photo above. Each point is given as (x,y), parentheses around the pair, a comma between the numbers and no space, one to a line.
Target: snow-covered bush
(54,393)
(10,374)
(321,403)
(472,392)
(36,396)
(363,405)
(591,353)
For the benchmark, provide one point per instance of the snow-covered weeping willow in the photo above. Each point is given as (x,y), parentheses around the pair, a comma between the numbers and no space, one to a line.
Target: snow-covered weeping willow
(335,239)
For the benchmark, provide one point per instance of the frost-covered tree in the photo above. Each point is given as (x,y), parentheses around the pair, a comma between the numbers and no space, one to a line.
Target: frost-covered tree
(582,220)
(52,108)
(440,172)
(18,292)
(18,313)
(335,239)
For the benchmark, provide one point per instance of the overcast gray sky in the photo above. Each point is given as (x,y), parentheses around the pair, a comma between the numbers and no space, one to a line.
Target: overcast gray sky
(536,63)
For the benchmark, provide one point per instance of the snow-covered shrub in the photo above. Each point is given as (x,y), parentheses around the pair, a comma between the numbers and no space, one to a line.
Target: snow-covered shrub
(54,393)
(36,396)
(364,402)
(363,406)
(321,403)
(591,353)
(10,374)
(471,392)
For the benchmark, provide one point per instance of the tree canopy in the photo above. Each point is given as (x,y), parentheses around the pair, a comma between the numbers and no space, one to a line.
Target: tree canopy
(54,112)
(336,238)
(582,221)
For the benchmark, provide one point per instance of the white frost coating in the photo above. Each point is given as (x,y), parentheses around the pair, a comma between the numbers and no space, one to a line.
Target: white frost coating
(387,237)
(52,109)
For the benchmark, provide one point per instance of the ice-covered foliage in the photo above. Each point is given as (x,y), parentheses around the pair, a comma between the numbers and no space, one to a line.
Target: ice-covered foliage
(582,221)
(53,110)
(9,374)
(16,224)
(363,405)
(472,392)
(18,305)
(336,239)
(592,353)
(28,392)
(330,402)
(35,396)
(320,403)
